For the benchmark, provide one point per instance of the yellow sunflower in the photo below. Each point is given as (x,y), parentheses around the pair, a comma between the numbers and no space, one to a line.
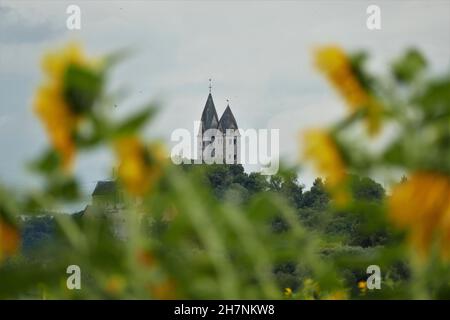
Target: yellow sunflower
(422,205)
(50,104)
(139,167)
(337,295)
(9,239)
(334,63)
(164,290)
(115,284)
(321,149)
(362,286)
(288,292)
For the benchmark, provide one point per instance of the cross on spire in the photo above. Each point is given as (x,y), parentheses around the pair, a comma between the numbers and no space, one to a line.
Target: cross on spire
(210,85)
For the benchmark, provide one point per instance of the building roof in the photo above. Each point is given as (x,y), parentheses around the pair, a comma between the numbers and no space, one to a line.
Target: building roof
(210,120)
(227,120)
(105,188)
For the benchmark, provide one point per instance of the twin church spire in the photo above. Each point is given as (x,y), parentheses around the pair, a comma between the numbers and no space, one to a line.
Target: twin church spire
(210,119)
(225,133)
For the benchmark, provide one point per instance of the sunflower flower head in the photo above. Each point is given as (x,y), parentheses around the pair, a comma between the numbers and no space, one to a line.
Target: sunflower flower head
(321,149)
(337,295)
(336,66)
(163,290)
(145,258)
(362,286)
(140,167)
(60,103)
(421,205)
(55,63)
(115,284)
(9,239)
(288,292)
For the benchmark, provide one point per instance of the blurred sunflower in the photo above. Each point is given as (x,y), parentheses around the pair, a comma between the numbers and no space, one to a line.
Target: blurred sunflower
(421,204)
(61,102)
(140,167)
(165,290)
(9,239)
(115,284)
(145,258)
(334,63)
(337,295)
(362,286)
(288,292)
(323,151)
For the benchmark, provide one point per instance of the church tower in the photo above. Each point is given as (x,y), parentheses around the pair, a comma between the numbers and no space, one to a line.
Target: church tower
(209,130)
(220,138)
(231,137)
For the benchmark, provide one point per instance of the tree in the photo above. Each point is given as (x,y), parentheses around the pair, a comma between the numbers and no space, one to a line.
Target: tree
(366,189)
(316,197)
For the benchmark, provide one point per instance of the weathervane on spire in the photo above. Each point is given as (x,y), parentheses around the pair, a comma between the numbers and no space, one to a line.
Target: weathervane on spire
(228,101)
(210,85)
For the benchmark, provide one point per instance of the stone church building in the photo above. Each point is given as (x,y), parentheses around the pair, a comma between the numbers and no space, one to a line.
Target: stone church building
(218,140)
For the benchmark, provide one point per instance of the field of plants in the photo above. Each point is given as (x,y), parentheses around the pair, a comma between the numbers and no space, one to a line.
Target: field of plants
(217,232)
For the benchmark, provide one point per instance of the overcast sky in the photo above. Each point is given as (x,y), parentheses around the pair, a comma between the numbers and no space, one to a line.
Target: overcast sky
(257,53)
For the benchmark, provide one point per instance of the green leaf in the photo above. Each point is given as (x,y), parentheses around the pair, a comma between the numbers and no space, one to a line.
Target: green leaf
(358,64)
(47,163)
(82,86)
(65,188)
(435,100)
(8,207)
(409,66)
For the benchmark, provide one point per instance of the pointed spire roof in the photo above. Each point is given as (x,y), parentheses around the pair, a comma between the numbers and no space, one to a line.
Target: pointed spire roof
(227,120)
(209,115)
